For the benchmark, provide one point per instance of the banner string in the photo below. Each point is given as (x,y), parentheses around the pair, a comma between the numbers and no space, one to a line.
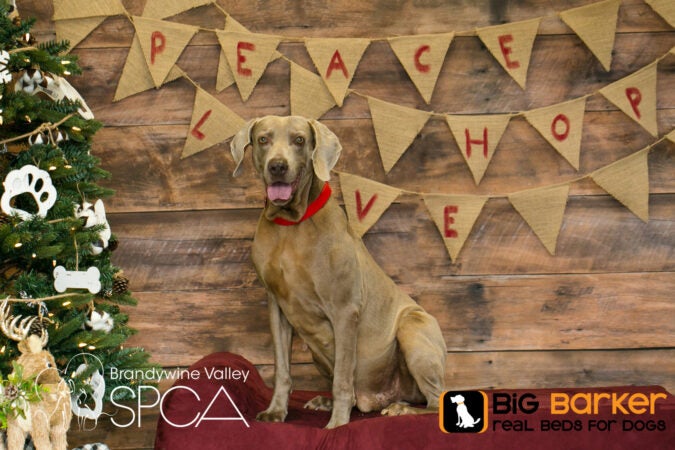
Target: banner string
(494,196)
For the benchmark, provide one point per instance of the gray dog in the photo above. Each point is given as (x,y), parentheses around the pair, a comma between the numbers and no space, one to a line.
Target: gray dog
(378,346)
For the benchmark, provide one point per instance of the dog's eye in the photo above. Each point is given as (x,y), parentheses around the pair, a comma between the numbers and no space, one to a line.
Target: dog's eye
(300,140)
(262,140)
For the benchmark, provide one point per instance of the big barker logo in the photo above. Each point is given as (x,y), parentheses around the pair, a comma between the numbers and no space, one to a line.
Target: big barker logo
(464,412)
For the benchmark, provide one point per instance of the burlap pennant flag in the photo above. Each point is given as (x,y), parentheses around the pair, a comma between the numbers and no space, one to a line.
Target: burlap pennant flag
(78,9)
(454,215)
(365,201)
(395,129)
(224,77)
(336,61)
(422,57)
(248,55)
(671,136)
(665,9)
(212,122)
(159,9)
(627,180)
(477,138)
(135,74)
(561,125)
(75,30)
(511,45)
(162,43)
(543,210)
(309,95)
(595,24)
(635,95)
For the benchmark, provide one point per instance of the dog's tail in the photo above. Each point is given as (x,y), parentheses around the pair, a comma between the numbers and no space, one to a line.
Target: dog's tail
(476,421)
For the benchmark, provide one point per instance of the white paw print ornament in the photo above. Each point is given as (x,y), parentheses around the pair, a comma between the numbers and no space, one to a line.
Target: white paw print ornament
(34,181)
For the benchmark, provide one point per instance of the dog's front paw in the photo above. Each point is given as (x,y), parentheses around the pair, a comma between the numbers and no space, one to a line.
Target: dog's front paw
(320,403)
(271,416)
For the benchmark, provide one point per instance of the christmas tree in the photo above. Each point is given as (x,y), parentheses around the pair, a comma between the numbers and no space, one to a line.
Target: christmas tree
(55,242)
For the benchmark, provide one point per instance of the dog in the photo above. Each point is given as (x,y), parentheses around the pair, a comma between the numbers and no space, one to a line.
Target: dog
(464,419)
(381,350)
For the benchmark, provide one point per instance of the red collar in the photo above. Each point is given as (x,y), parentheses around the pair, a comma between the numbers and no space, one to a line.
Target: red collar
(312,208)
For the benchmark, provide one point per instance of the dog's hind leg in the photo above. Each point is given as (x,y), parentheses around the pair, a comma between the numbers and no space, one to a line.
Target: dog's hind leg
(421,342)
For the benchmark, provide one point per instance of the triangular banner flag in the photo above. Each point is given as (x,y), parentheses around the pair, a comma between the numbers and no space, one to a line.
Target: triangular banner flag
(336,61)
(75,30)
(78,9)
(162,43)
(627,180)
(365,201)
(212,122)
(543,210)
(395,129)
(665,9)
(671,136)
(135,74)
(511,45)
(248,55)
(635,95)
(159,9)
(224,77)
(477,138)
(561,125)
(422,57)
(309,95)
(454,215)
(595,24)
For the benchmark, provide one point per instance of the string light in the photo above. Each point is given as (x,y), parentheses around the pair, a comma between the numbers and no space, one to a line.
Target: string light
(66,303)
(82,344)
(18,244)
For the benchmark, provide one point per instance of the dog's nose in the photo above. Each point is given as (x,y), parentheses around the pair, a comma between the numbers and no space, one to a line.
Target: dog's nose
(277,167)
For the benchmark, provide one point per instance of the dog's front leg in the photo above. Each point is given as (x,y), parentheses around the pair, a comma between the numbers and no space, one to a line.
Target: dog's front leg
(345,329)
(282,333)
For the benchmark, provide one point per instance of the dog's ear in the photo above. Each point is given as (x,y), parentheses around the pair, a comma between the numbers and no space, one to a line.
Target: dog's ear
(327,150)
(240,143)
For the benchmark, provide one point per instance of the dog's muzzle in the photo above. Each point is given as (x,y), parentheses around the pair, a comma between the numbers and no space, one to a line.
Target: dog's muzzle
(280,191)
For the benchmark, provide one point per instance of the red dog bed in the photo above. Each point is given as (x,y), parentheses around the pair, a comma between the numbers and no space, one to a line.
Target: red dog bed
(213,408)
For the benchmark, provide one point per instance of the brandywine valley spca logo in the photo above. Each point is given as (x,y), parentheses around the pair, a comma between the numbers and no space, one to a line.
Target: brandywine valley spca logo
(463,412)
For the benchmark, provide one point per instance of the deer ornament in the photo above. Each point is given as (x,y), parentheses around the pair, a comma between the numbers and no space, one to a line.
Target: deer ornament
(47,421)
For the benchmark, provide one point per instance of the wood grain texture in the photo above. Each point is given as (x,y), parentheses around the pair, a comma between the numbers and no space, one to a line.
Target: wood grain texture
(487,313)
(598,313)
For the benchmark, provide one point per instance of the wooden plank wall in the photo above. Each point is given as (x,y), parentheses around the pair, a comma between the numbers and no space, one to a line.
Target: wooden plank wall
(598,313)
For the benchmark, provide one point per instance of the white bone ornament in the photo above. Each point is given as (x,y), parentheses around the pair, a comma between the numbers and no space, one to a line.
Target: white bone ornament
(32,180)
(95,216)
(65,279)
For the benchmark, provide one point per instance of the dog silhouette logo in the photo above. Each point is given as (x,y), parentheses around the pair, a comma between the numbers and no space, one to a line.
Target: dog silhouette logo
(463,412)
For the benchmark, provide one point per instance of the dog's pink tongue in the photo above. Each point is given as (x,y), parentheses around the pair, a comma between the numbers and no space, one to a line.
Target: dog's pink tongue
(279,191)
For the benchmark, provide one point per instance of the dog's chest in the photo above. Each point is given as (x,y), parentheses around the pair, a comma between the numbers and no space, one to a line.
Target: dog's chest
(288,272)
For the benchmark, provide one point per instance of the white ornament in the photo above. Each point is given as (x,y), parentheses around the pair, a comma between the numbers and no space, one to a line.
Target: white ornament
(32,180)
(95,216)
(55,87)
(5,76)
(65,279)
(100,322)
(97,383)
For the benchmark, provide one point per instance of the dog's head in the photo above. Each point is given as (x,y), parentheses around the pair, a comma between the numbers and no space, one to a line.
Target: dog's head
(287,153)
(457,399)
